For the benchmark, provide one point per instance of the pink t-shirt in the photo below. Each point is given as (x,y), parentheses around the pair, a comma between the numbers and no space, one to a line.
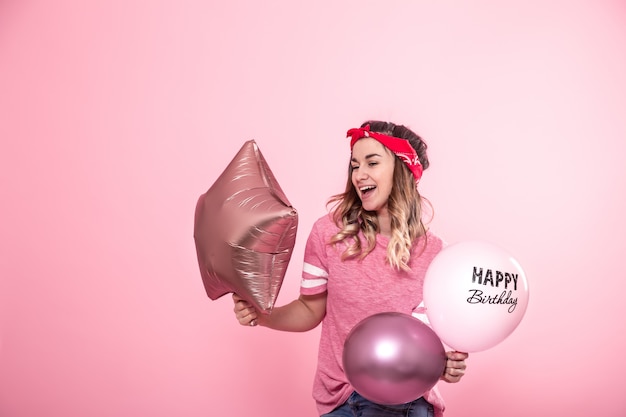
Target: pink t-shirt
(357,289)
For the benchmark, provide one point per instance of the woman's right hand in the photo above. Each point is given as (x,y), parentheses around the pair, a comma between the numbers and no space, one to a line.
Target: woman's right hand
(244,311)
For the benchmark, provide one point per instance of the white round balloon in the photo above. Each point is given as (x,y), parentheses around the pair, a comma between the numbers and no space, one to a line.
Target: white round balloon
(475,294)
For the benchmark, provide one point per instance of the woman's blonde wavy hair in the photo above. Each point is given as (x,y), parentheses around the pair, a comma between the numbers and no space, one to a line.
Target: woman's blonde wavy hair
(405,206)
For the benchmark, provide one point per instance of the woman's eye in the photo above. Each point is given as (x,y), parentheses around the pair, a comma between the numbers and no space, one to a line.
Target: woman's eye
(355,167)
(373,163)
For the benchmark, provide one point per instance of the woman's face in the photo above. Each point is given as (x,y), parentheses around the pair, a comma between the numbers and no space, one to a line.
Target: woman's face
(372,173)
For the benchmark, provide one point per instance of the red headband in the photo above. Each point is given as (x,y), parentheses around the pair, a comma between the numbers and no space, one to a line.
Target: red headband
(401,147)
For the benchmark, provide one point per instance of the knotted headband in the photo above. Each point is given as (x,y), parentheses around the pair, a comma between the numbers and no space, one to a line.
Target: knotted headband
(401,147)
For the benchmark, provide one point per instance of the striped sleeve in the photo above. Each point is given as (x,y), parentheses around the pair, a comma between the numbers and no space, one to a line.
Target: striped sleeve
(420,313)
(314,270)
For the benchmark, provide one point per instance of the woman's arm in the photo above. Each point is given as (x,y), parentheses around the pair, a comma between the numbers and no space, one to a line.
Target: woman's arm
(302,314)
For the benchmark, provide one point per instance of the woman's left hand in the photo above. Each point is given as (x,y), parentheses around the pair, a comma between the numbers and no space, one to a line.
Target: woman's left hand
(455,366)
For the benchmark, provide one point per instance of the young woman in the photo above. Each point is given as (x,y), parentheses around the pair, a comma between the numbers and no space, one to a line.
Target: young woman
(368,255)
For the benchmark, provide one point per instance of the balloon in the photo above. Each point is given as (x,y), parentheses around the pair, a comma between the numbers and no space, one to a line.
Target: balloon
(475,294)
(245,231)
(393,358)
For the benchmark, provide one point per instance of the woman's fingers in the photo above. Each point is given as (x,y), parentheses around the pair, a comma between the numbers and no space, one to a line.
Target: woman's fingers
(457,356)
(244,312)
(455,366)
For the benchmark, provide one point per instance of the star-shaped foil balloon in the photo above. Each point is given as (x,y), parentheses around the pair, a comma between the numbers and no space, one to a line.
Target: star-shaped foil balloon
(245,231)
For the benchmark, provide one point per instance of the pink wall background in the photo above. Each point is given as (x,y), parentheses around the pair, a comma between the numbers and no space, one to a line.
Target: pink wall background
(116,115)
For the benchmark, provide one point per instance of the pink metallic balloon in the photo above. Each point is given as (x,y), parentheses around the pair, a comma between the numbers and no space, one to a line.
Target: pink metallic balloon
(245,231)
(393,358)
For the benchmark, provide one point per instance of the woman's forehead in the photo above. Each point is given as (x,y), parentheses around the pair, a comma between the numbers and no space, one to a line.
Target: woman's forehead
(368,146)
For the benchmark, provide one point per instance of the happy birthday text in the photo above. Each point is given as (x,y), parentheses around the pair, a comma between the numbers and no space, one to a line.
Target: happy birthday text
(497,279)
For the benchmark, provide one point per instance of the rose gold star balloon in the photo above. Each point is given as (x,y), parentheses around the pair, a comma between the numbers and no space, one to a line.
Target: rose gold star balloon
(245,231)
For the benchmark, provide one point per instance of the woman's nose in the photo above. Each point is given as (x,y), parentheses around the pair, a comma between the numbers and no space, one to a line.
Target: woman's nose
(361,173)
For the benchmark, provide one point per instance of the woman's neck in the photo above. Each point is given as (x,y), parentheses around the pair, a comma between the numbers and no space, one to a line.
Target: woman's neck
(384,223)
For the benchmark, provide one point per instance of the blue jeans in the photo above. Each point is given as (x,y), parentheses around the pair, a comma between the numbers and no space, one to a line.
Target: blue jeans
(357,406)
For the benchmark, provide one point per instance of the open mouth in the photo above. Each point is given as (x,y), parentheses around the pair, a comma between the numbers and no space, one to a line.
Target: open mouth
(367,189)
